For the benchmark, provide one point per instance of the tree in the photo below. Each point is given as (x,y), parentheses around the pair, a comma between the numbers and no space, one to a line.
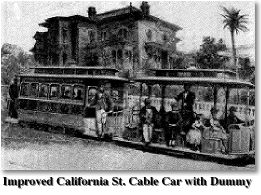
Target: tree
(14,61)
(207,56)
(235,23)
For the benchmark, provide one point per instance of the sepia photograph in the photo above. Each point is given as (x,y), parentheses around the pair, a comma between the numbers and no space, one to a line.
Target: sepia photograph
(128,85)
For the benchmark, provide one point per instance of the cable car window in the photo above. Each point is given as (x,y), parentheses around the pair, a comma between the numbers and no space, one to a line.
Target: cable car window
(25,89)
(55,91)
(91,94)
(67,92)
(78,93)
(34,89)
(43,91)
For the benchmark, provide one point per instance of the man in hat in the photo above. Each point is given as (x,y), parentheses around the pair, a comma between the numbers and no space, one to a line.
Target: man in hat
(187,98)
(173,122)
(103,103)
(13,93)
(148,113)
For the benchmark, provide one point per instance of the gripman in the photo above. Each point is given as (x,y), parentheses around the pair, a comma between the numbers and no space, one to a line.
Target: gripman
(230,182)
(79,181)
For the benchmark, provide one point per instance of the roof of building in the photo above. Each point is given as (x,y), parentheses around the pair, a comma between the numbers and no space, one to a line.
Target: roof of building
(112,14)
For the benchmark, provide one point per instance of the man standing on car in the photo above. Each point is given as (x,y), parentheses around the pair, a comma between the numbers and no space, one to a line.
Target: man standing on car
(148,113)
(187,98)
(13,93)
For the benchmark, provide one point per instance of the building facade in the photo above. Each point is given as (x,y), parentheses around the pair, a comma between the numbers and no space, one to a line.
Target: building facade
(128,39)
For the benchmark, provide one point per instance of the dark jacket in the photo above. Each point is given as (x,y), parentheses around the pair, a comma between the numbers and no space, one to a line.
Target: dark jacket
(173,118)
(13,91)
(143,114)
(188,101)
(103,102)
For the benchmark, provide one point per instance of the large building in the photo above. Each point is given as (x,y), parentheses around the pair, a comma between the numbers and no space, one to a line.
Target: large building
(128,39)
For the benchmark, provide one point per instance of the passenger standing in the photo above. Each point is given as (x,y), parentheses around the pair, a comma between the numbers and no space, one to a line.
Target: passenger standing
(103,104)
(217,129)
(148,113)
(173,122)
(187,98)
(13,93)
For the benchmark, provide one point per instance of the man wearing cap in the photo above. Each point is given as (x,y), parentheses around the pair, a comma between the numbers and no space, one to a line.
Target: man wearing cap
(148,119)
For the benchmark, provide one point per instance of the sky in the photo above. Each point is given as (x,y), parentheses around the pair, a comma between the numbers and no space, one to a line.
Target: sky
(19,20)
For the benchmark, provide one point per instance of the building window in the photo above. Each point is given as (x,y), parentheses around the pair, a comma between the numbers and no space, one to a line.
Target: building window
(123,33)
(64,34)
(104,36)
(114,56)
(149,35)
(119,54)
(92,36)
(128,54)
(165,37)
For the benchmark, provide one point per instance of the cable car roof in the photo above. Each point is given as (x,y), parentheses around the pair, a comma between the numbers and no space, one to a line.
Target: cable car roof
(74,76)
(202,81)
(76,67)
(195,72)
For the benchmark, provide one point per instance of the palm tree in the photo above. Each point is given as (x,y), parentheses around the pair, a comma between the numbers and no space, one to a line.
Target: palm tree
(235,23)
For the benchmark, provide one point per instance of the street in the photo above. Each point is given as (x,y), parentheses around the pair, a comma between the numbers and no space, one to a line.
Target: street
(28,149)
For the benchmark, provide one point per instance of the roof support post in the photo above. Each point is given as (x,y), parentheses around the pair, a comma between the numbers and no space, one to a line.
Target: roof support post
(149,91)
(226,105)
(215,93)
(163,89)
(140,95)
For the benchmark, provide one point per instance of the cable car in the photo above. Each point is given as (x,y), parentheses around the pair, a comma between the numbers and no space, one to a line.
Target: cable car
(240,136)
(60,96)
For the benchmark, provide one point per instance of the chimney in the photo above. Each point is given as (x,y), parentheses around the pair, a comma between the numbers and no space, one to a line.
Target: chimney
(91,12)
(145,8)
